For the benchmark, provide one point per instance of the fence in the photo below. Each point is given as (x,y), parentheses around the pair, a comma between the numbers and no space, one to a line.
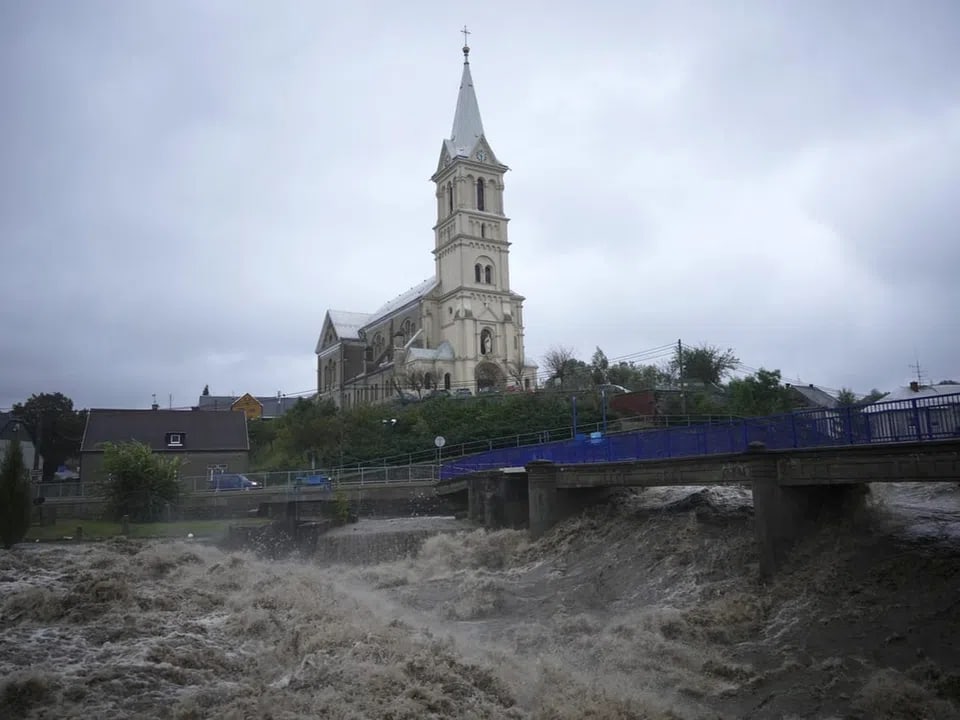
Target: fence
(920,419)
(339,477)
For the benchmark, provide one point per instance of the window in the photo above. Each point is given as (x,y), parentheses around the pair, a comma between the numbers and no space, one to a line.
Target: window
(488,274)
(480,198)
(477,272)
(218,469)
(446,381)
(483,230)
(175,439)
(450,198)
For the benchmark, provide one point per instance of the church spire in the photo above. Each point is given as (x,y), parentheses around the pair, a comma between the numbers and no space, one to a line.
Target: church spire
(467,126)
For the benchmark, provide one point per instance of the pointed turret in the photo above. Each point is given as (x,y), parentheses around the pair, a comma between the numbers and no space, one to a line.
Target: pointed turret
(467,125)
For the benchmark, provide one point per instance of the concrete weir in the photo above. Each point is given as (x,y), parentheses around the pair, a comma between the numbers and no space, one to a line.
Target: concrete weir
(793,490)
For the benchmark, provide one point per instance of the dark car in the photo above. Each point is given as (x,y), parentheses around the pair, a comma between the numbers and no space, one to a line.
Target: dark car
(232,481)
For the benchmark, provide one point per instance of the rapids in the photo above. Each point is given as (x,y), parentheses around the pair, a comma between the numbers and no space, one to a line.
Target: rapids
(648,607)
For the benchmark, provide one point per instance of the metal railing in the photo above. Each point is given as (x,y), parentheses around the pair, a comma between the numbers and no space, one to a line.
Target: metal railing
(339,477)
(916,420)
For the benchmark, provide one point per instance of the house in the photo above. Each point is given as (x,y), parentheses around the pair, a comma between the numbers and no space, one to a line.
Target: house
(916,411)
(461,329)
(253,406)
(11,428)
(205,442)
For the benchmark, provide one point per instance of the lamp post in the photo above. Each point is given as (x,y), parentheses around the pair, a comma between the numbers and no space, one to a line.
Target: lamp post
(603,408)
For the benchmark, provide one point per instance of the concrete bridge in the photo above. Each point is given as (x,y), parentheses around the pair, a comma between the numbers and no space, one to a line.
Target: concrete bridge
(791,488)
(398,497)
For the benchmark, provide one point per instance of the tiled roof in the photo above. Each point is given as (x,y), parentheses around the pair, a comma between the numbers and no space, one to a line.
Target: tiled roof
(925,391)
(815,396)
(203,431)
(272,405)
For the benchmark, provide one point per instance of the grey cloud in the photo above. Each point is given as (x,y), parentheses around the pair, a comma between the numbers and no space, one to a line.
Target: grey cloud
(186,189)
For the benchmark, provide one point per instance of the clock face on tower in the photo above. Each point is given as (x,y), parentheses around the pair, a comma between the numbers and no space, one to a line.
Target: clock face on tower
(481,155)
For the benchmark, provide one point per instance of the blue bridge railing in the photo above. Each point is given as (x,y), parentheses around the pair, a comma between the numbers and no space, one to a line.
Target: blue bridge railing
(916,420)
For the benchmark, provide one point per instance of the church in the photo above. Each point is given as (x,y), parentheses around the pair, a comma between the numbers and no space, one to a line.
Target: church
(461,329)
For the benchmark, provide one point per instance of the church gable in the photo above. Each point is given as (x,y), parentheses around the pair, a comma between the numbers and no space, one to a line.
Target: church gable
(328,335)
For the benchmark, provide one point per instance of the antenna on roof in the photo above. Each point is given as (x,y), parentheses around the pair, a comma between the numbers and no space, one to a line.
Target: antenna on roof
(916,367)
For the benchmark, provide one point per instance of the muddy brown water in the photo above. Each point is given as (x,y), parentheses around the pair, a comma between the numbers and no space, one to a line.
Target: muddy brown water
(646,608)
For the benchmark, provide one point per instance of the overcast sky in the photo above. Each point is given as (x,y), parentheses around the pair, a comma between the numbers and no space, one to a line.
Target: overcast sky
(186,187)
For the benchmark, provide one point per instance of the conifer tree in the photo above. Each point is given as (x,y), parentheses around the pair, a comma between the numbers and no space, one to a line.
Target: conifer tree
(14,496)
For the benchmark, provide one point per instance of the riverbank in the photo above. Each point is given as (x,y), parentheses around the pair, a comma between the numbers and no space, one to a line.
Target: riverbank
(67,529)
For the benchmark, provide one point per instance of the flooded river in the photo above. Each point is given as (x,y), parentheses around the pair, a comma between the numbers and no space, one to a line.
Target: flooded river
(648,607)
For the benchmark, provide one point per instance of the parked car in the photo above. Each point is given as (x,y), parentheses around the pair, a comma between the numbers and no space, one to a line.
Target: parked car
(232,481)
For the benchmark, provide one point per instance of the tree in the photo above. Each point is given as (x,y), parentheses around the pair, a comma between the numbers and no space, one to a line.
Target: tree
(557,361)
(141,484)
(759,394)
(873,396)
(516,370)
(599,367)
(14,496)
(56,429)
(846,397)
(705,363)
(413,380)
(206,390)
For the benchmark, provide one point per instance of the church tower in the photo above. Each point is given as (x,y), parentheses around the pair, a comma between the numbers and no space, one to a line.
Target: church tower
(479,315)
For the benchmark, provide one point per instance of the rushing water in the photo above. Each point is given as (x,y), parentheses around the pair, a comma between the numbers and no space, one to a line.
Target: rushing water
(646,608)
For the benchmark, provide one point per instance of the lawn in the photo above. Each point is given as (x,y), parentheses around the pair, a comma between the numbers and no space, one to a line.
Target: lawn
(93,529)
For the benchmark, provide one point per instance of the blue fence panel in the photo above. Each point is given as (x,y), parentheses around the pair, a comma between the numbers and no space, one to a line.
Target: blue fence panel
(927,418)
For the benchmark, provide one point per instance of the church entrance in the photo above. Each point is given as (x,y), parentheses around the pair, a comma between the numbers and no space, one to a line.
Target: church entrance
(490,377)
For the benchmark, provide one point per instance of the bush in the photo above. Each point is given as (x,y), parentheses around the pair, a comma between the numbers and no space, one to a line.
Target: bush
(14,496)
(140,483)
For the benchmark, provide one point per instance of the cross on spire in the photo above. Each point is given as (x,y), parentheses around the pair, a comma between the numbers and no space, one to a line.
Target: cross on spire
(466,47)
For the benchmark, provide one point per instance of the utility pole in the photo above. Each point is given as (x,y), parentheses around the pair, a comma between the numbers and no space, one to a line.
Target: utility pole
(683,394)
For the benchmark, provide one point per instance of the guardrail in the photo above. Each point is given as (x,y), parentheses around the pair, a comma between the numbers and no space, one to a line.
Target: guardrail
(917,420)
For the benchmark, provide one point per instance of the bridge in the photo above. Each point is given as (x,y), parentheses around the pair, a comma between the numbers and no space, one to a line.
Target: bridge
(798,465)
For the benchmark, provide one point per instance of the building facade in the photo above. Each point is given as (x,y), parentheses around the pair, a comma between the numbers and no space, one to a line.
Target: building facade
(206,443)
(460,330)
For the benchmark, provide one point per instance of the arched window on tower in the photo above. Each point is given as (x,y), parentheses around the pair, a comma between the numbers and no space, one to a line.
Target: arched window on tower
(478,273)
(446,381)
(480,188)
(488,275)
(450,197)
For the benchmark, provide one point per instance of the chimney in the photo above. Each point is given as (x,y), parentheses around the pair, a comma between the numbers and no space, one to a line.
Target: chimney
(915,386)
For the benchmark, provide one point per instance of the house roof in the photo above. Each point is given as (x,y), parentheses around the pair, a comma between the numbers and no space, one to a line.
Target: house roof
(203,431)
(815,396)
(271,404)
(924,391)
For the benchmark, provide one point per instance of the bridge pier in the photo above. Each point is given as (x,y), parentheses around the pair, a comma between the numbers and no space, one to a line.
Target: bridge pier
(783,514)
(548,503)
(498,499)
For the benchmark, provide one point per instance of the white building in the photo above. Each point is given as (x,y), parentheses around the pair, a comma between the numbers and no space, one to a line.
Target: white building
(917,412)
(461,329)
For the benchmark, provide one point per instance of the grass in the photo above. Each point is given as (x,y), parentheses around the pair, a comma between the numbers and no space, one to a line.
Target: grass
(105,529)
